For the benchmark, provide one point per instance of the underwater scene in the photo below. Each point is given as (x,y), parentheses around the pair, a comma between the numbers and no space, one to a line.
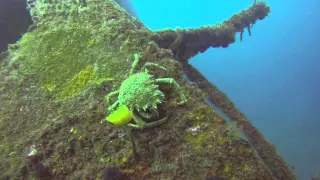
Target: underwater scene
(159,90)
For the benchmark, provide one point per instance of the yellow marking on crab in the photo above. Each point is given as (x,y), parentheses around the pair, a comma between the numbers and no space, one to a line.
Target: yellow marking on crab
(120,117)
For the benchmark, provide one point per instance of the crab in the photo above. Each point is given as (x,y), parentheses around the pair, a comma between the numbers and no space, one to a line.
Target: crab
(141,95)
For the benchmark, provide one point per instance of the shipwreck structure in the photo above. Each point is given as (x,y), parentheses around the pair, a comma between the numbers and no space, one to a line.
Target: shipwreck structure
(53,86)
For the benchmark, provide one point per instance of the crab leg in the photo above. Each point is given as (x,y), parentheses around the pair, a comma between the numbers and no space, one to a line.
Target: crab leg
(150,64)
(145,114)
(113,93)
(173,83)
(129,134)
(112,107)
(140,124)
(154,112)
(135,63)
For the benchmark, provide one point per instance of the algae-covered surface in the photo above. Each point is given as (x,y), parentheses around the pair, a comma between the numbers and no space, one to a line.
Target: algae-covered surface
(52,93)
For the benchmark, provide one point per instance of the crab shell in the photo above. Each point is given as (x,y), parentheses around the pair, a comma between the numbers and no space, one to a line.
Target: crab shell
(139,91)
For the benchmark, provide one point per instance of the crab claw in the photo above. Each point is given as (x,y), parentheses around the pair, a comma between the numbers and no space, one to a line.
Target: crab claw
(184,101)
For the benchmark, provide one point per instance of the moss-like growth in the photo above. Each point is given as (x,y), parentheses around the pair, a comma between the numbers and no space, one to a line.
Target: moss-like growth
(202,132)
(77,83)
(58,55)
(67,53)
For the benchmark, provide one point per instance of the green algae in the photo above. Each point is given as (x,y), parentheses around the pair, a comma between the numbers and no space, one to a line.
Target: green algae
(56,54)
(77,83)
(60,48)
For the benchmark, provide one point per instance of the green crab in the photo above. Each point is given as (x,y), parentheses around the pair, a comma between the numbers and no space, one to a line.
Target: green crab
(139,96)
